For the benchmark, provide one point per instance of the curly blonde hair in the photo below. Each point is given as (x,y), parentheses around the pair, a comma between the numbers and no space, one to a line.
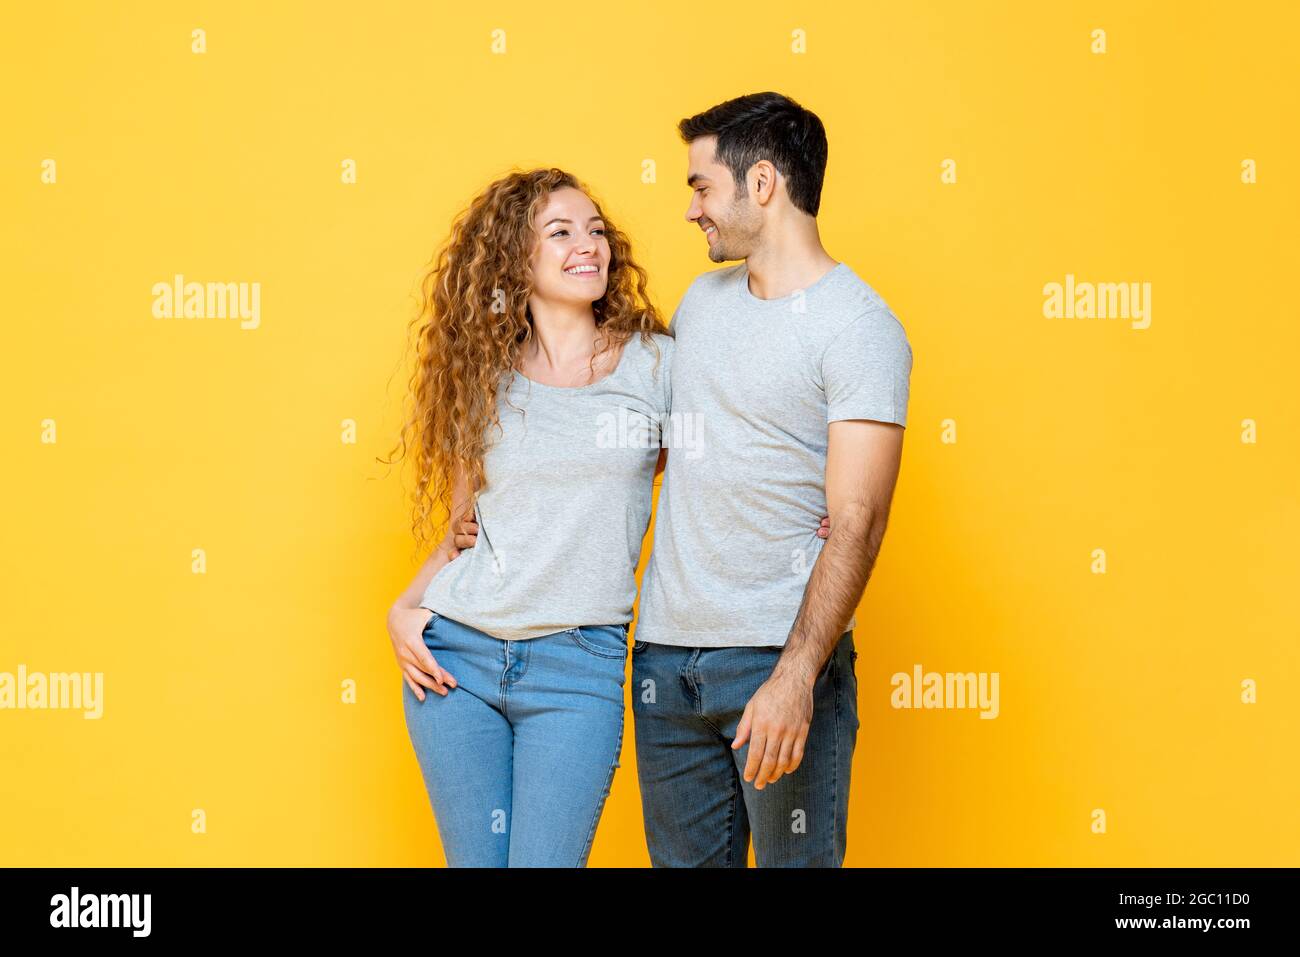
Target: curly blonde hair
(473,323)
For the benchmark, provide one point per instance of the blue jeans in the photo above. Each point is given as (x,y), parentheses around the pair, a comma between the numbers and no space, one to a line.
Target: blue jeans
(699,811)
(518,759)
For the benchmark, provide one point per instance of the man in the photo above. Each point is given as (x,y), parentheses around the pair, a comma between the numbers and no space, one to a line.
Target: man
(790,380)
(796,375)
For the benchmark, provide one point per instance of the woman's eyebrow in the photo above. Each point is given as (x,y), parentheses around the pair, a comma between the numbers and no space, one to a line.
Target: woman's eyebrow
(559,220)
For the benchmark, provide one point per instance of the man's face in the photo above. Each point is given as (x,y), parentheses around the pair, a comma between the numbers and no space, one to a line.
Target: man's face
(731,224)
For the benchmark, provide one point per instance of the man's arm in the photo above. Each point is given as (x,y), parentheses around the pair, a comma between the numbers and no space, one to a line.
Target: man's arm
(862,464)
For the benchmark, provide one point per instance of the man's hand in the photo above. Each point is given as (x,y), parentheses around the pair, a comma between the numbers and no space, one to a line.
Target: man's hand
(776,723)
(862,464)
(466,535)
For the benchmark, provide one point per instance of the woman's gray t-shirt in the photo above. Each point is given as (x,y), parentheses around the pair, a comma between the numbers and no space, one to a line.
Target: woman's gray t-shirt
(566,505)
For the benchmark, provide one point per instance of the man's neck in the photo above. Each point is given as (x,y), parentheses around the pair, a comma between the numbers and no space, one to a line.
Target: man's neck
(795,261)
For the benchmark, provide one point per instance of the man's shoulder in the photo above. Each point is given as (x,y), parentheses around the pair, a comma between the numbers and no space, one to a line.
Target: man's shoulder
(853,306)
(853,296)
(714,280)
(704,292)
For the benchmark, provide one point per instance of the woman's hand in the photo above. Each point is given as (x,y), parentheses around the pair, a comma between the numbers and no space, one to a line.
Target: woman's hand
(824,530)
(406,631)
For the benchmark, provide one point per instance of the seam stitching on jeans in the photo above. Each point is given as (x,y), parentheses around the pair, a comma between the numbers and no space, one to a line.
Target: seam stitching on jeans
(835,768)
(590,646)
(731,817)
(694,686)
(505,661)
(609,780)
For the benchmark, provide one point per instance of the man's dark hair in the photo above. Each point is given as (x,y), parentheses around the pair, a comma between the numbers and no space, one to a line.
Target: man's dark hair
(767,126)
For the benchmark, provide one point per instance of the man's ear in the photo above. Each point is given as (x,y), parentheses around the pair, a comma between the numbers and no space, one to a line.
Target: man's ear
(762,181)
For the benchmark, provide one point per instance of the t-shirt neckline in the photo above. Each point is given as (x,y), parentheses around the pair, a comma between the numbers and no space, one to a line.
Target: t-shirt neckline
(752,300)
(577,389)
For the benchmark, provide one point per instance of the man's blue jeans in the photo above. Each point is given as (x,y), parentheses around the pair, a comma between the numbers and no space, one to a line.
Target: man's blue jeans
(519,757)
(699,811)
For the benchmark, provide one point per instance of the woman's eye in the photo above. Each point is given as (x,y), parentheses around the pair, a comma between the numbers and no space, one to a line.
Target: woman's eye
(599,231)
(559,232)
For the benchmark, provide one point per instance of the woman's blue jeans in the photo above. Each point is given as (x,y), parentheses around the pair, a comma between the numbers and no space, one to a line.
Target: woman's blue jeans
(519,757)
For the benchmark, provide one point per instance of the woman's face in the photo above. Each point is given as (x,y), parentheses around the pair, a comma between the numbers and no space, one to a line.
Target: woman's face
(570,261)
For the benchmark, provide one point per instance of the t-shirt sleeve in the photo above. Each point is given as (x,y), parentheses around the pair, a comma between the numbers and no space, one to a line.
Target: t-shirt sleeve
(866,370)
(674,322)
(666,346)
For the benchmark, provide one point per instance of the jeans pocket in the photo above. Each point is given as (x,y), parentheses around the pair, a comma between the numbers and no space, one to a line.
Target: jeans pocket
(604,641)
(433,616)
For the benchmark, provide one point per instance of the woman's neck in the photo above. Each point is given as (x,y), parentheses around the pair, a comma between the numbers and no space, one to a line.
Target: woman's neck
(562,347)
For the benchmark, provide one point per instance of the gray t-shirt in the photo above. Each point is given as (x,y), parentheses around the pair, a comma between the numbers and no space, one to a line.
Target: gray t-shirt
(566,505)
(755,384)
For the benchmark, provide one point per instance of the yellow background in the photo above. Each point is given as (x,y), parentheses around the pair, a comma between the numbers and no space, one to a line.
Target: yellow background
(222,691)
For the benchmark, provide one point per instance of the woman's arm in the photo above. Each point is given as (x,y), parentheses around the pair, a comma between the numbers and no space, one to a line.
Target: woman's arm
(445,551)
(407,620)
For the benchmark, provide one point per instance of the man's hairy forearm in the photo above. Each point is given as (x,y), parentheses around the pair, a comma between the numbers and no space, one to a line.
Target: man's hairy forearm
(839,577)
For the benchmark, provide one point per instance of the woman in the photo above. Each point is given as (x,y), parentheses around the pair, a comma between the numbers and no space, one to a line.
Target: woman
(540,392)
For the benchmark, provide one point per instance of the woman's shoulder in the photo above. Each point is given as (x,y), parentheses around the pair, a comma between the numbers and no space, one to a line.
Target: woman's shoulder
(649,362)
(663,340)
(653,356)
(660,345)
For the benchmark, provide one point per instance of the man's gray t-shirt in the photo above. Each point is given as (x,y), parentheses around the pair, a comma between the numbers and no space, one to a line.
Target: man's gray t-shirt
(567,502)
(755,384)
